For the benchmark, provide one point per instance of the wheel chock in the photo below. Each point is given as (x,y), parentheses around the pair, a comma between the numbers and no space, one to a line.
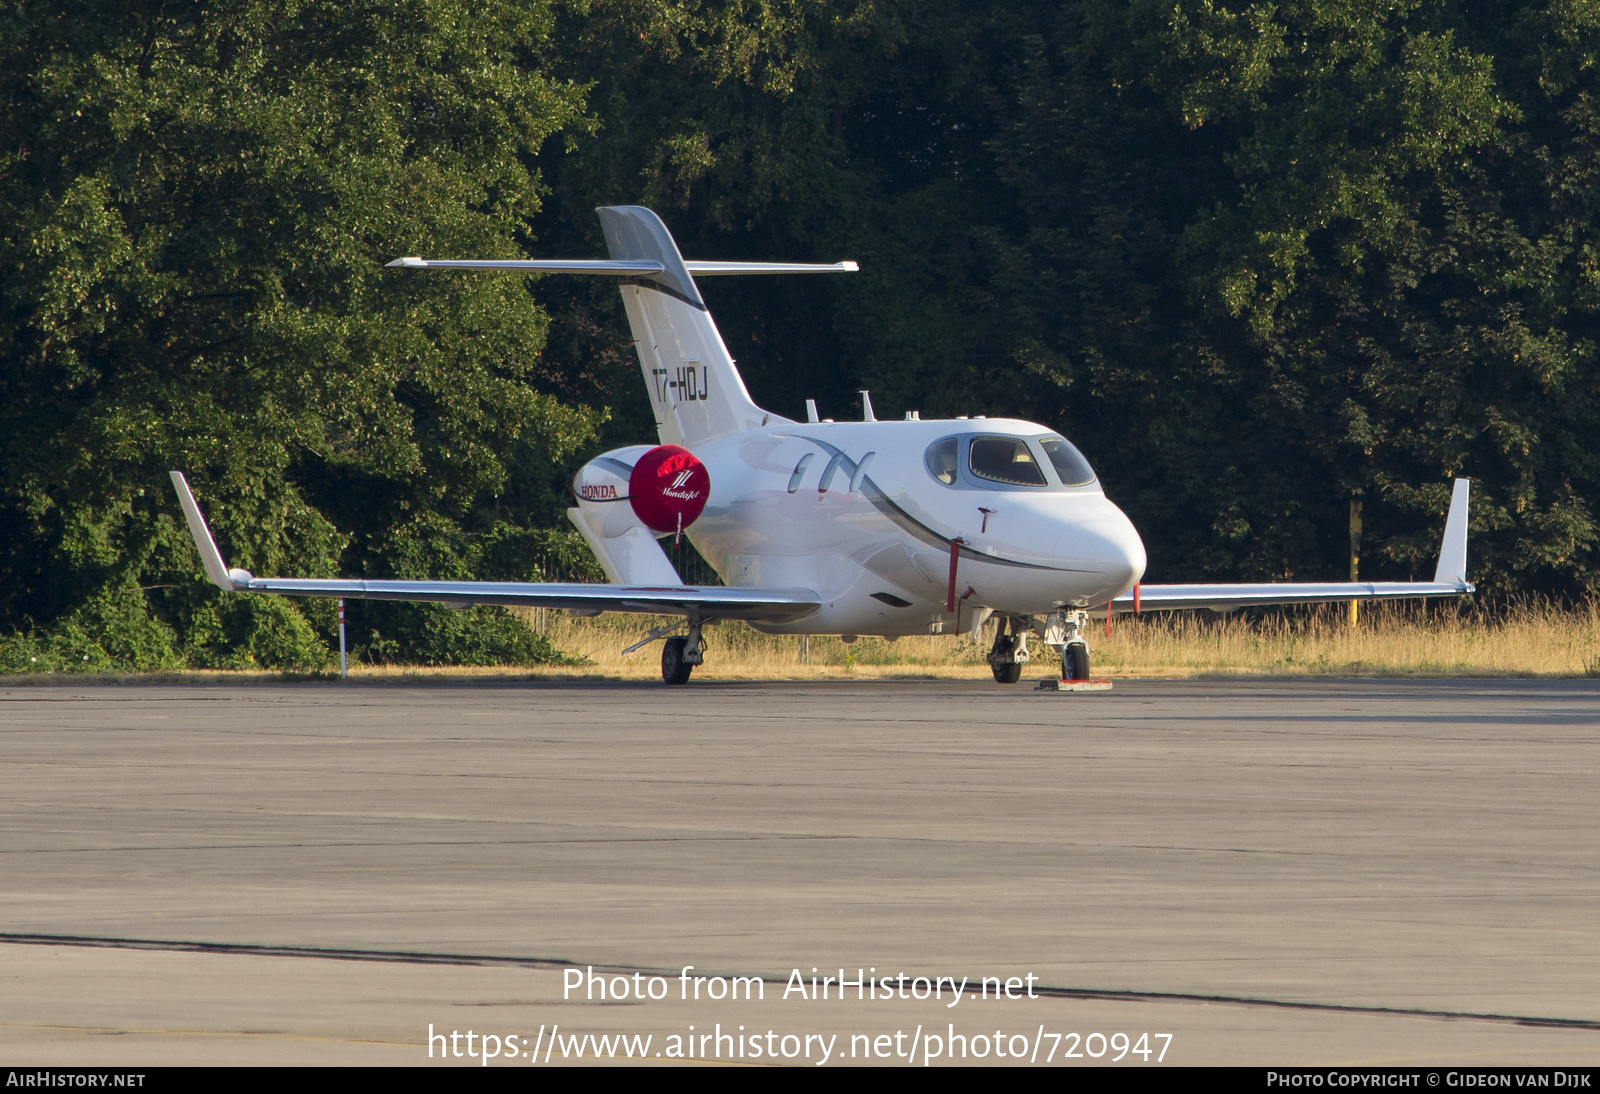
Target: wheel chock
(1074,685)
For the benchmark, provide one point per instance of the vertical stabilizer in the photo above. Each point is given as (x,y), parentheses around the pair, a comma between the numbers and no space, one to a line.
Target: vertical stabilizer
(694,389)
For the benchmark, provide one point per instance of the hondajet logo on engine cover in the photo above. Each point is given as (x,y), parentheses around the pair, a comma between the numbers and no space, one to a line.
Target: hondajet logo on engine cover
(668,488)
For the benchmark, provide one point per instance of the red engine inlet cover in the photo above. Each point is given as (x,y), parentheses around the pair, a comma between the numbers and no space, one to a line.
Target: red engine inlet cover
(668,488)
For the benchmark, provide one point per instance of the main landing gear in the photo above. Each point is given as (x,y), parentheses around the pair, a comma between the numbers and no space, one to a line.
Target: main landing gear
(680,655)
(674,669)
(1010,651)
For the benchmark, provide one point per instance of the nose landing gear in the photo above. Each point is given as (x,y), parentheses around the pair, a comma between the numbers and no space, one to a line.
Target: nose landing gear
(1075,662)
(1065,629)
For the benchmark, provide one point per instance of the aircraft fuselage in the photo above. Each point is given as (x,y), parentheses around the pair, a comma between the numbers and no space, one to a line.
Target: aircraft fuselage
(854,511)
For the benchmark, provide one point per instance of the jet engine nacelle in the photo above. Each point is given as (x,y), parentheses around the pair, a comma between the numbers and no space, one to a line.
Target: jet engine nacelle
(662,488)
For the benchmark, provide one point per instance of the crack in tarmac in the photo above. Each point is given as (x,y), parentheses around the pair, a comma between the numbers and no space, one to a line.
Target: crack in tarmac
(242,949)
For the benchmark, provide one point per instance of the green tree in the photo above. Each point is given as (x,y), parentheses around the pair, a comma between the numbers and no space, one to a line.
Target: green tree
(1405,260)
(197,204)
(729,118)
(1261,257)
(1258,258)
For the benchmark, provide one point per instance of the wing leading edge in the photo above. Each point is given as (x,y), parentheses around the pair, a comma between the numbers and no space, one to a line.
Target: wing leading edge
(775,605)
(1449,579)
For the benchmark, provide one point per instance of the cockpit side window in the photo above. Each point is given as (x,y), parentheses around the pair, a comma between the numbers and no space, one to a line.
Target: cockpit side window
(941,460)
(1005,459)
(1071,468)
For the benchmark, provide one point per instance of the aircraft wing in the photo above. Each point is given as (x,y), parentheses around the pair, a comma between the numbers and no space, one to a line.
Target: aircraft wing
(1166,598)
(776,605)
(1449,579)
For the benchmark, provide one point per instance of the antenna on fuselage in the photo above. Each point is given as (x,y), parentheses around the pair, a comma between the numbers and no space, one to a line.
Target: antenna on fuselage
(866,408)
(811,411)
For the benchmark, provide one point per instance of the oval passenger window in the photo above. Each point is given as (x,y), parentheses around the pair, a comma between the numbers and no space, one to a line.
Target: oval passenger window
(799,472)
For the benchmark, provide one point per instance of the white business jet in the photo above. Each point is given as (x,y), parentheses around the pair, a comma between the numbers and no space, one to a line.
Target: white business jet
(867,527)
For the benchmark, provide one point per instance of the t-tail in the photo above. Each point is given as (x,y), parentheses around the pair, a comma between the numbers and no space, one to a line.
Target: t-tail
(694,388)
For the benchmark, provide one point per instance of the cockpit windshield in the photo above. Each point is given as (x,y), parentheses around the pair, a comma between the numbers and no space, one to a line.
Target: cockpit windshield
(1005,459)
(1008,461)
(1071,468)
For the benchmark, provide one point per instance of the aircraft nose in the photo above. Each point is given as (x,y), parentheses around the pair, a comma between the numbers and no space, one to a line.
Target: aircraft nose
(1104,543)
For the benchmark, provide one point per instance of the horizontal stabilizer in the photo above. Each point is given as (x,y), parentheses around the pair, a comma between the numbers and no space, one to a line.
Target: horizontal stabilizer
(619,268)
(695,391)
(535,265)
(720,269)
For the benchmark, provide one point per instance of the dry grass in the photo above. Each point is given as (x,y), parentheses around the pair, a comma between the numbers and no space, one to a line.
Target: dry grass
(1391,640)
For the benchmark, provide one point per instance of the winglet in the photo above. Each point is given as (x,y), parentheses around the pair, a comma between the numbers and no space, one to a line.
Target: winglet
(1453,551)
(216,569)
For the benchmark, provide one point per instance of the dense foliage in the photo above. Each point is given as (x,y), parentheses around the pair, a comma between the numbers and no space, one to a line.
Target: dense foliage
(1258,259)
(198,203)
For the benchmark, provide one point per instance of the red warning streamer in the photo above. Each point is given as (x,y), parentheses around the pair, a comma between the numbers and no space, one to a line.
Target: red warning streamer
(955,559)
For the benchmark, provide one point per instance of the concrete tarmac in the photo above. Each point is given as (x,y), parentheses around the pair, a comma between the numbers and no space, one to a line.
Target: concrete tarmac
(1308,871)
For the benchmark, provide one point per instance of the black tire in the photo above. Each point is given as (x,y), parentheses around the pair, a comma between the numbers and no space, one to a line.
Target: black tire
(674,669)
(1006,672)
(1075,662)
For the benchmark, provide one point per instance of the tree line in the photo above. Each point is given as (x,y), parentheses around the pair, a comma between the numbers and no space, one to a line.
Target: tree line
(1257,260)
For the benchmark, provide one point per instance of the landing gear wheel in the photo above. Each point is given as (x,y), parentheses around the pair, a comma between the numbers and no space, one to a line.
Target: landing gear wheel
(1075,662)
(674,669)
(1002,658)
(1007,672)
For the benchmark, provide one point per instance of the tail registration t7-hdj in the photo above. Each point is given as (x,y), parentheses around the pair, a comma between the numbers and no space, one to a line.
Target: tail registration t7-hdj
(820,527)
